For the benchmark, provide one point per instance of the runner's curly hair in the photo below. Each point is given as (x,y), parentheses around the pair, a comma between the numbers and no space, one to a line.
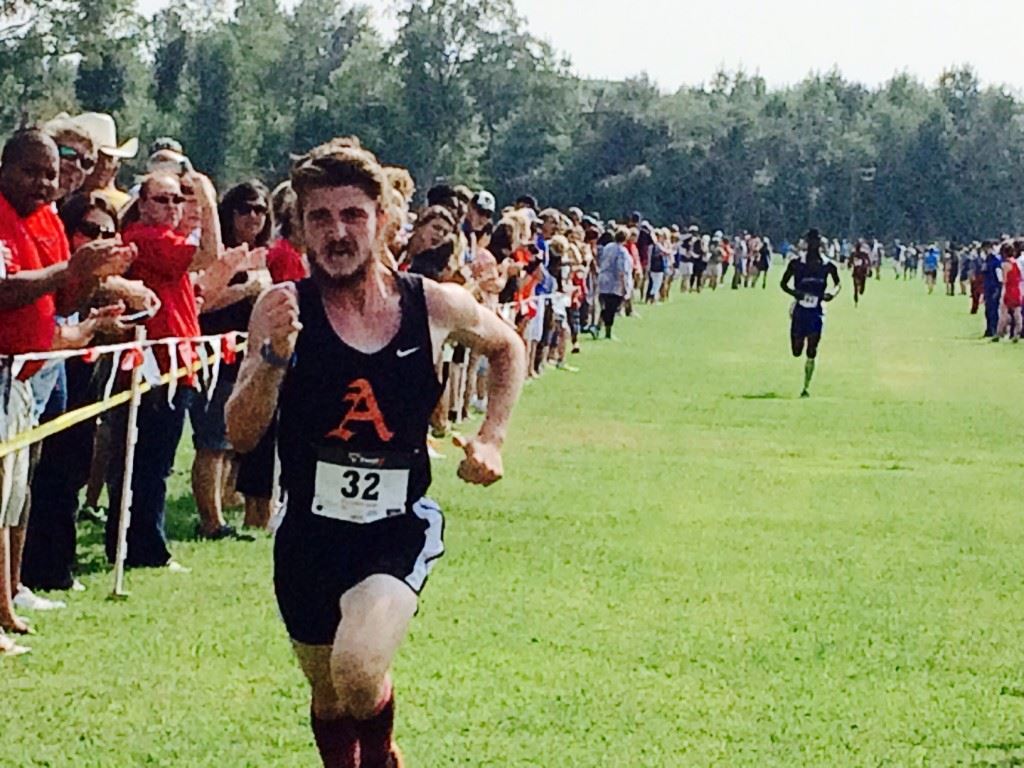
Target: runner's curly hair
(340,162)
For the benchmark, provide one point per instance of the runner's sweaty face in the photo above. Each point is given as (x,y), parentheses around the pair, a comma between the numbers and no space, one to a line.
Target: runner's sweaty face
(341,227)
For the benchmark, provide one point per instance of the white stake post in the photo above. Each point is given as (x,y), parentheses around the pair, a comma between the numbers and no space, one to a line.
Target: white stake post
(129,463)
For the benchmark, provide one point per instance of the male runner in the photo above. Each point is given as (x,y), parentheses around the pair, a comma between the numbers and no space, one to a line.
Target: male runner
(860,265)
(810,276)
(348,360)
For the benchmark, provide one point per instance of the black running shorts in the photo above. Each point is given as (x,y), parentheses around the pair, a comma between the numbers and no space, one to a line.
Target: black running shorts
(317,560)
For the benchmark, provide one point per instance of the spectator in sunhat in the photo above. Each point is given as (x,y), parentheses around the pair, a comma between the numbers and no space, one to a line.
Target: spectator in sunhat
(109,154)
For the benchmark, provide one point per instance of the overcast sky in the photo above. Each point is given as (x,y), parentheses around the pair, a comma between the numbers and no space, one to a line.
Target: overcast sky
(679,43)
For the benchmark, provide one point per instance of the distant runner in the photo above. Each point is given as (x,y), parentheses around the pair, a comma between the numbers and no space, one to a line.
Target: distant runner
(809,276)
(860,264)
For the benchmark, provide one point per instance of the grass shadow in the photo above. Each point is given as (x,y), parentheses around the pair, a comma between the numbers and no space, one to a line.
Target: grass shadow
(180,524)
(91,555)
(1010,761)
(971,337)
(1012,750)
(181,519)
(758,396)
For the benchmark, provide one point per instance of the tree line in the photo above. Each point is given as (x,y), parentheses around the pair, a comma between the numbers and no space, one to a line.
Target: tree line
(465,93)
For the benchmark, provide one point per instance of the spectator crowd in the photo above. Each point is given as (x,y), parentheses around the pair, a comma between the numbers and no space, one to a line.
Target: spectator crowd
(987,272)
(84,263)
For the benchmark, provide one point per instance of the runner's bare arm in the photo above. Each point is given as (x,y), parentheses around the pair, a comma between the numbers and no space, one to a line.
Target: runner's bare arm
(832,272)
(275,319)
(786,277)
(454,313)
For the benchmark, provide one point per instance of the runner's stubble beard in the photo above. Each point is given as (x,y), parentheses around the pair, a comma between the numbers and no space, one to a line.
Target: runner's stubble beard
(332,280)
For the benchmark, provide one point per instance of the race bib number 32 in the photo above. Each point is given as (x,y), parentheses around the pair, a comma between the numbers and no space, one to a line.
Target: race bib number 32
(807,301)
(359,494)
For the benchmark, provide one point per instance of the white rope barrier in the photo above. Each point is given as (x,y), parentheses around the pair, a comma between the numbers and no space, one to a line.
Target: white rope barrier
(127,357)
(65,354)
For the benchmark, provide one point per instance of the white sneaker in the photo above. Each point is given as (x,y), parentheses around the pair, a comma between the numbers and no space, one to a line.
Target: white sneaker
(77,586)
(432,445)
(175,567)
(478,404)
(10,648)
(30,601)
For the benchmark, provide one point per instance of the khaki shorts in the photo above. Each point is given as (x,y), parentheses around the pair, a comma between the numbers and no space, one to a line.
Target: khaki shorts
(14,467)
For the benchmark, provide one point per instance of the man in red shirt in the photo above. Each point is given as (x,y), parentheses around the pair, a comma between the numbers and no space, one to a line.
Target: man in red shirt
(164,263)
(37,275)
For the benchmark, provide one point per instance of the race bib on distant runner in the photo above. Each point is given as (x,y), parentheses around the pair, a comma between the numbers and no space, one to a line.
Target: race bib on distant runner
(809,302)
(360,488)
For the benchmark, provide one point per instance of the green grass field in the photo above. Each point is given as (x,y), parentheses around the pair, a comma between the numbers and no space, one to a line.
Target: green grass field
(686,566)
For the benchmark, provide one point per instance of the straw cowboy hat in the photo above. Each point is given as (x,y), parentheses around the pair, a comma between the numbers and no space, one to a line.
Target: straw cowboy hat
(104,134)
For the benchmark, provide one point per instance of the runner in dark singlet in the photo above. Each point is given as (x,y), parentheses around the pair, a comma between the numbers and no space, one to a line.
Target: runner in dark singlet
(347,360)
(809,276)
(860,265)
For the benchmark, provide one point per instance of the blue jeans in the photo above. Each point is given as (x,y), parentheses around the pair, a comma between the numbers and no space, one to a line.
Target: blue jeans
(49,388)
(160,428)
(992,311)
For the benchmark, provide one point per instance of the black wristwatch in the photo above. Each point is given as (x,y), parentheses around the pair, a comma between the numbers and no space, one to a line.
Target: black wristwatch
(272,358)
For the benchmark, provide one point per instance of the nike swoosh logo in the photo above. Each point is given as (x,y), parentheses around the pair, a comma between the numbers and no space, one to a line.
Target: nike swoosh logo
(407,352)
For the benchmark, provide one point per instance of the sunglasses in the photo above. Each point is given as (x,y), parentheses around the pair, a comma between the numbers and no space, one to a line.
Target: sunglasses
(167,199)
(246,208)
(70,153)
(94,231)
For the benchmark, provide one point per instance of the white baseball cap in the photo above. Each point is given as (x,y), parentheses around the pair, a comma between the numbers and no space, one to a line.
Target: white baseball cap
(484,201)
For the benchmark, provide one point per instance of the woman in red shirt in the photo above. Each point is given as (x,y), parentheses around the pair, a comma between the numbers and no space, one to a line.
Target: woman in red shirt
(285,259)
(1010,318)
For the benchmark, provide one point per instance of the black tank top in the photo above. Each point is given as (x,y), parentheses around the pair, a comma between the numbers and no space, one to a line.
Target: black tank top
(337,399)
(809,279)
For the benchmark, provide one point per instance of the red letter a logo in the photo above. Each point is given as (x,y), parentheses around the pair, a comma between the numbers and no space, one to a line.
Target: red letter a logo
(362,407)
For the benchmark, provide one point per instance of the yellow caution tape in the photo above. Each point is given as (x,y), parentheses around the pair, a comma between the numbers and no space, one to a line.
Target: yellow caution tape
(71,418)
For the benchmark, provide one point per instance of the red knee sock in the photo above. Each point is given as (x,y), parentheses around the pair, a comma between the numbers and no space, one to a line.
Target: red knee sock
(337,741)
(375,735)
